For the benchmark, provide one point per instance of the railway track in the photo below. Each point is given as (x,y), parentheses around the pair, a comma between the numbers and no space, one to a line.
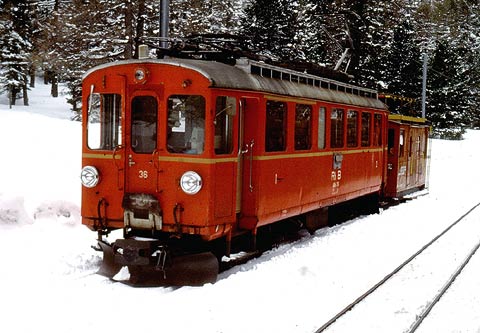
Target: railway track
(423,309)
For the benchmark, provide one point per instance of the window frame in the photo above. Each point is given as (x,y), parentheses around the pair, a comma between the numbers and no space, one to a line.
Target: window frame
(276,134)
(188,141)
(352,131)
(224,125)
(366,141)
(337,132)
(322,127)
(110,130)
(303,141)
(138,133)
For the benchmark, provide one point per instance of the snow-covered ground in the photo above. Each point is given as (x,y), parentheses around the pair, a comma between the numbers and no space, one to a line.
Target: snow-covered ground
(47,272)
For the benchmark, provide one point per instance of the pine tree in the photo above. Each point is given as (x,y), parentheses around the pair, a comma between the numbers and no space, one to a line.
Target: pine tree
(14,49)
(320,28)
(403,73)
(368,25)
(444,107)
(272,27)
(13,62)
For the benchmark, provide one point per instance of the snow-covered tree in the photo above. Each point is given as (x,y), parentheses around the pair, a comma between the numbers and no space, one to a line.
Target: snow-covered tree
(444,105)
(14,62)
(272,27)
(15,49)
(403,67)
(321,29)
(188,17)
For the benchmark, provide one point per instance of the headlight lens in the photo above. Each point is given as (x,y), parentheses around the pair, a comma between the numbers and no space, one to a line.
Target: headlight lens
(89,176)
(191,182)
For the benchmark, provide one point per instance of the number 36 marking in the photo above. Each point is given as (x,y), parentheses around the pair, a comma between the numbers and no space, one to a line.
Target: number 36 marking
(143,174)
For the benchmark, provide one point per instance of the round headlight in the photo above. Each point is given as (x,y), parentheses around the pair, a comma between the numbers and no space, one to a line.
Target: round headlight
(89,176)
(191,182)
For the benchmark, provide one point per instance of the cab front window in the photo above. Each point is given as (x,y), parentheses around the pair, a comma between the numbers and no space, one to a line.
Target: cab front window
(104,131)
(186,124)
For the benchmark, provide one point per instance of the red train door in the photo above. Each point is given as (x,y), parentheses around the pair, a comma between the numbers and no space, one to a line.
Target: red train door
(247,180)
(141,146)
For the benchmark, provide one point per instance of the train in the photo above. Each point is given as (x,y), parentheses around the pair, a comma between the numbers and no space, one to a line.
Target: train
(187,155)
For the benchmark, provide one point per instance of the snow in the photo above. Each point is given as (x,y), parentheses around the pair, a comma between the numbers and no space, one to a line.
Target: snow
(48,280)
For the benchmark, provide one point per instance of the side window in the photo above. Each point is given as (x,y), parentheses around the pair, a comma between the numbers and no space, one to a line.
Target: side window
(276,126)
(321,127)
(377,130)
(352,128)
(144,124)
(225,110)
(366,117)
(104,131)
(410,145)
(303,126)
(336,128)
(391,140)
(186,124)
(402,143)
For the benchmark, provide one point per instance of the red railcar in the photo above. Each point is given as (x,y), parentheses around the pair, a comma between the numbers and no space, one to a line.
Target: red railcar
(190,153)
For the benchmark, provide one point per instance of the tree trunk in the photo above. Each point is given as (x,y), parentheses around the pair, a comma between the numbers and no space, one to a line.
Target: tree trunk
(128,30)
(25,94)
(13,95)
(32,76)
(140,24)
(54,90)
(46,76)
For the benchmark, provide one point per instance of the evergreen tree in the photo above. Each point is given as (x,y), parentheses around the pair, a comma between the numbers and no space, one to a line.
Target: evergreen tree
(188,17)
(320,23)
(13,62)
(14,50)
(271,25)
(403,73)
(444,107)
(368,26)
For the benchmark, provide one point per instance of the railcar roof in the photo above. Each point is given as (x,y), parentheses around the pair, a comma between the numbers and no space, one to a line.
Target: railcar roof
(240,77)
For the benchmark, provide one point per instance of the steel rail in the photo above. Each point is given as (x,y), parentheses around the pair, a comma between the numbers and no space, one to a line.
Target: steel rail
(442,292)
(391,274)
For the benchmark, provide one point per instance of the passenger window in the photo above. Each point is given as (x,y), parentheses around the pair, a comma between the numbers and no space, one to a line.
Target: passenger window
(303,124)
(366,129)
(144,124)
(225,110)
(321,127)
(377,130)
(352,128)
(276,126)
(336,128)
(186,124)
(104,130)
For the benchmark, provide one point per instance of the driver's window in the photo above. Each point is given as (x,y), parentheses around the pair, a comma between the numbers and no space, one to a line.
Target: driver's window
(186,124)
